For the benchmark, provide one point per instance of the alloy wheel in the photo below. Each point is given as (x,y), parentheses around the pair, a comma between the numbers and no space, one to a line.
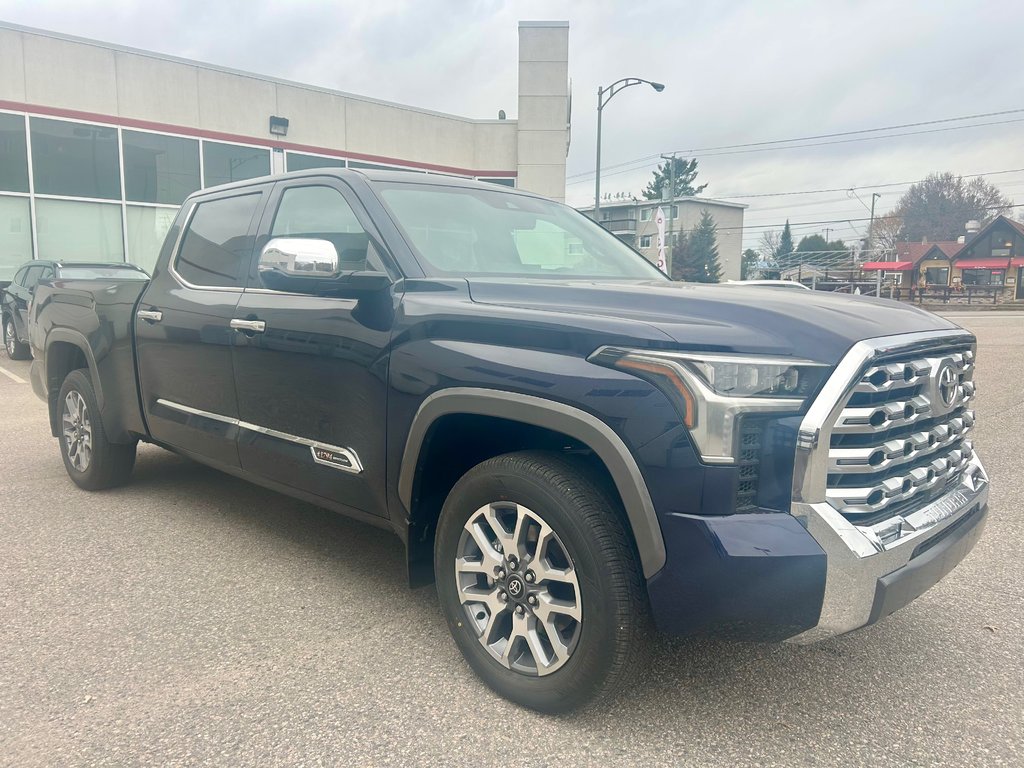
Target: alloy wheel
(518,587)
(77,430)
(9,338)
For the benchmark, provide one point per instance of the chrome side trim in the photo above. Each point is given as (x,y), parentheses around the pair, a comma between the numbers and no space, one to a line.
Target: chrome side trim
(355,466)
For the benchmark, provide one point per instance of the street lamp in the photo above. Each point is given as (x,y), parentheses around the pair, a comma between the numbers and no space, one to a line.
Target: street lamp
(604,95)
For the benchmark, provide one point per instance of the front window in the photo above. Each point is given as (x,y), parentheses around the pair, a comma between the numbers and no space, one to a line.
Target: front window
(937,276)
(466,231)
(983,277)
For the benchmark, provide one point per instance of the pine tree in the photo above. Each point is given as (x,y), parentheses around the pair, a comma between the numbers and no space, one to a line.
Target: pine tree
(695,257)
(784,257)
(685,174)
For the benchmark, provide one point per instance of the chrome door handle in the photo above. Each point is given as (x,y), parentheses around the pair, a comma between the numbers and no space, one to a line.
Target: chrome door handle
(152,315)
(252,326)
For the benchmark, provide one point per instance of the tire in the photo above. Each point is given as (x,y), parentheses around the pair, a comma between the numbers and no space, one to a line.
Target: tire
(91,460)
(15,349)
(587,587)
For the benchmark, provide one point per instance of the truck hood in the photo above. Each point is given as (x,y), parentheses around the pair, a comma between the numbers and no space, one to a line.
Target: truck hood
(815,325)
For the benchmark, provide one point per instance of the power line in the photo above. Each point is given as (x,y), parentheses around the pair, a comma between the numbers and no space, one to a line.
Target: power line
(776,143)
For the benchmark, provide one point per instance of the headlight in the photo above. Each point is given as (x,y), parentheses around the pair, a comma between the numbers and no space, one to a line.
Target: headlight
(712,392)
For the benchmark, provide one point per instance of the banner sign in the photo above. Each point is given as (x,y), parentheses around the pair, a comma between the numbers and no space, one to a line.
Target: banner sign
(659,219)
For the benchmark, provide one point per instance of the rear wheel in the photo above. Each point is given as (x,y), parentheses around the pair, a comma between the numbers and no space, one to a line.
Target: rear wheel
(540,582)
(91,460)
(15,349)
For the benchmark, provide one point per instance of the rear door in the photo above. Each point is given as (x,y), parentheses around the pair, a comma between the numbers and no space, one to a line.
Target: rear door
(312,383)
(183,328)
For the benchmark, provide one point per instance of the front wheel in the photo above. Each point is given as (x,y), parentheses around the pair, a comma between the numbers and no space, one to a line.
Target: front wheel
(15,349)
(91,460)
(540,582)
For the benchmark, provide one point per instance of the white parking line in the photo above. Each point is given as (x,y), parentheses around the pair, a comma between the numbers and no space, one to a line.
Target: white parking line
(12,377)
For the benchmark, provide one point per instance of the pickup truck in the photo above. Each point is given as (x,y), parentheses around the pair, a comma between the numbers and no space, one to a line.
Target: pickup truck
(576,450)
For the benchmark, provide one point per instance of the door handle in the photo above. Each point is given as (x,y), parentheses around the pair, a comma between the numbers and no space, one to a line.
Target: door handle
(150,315)
(248,326)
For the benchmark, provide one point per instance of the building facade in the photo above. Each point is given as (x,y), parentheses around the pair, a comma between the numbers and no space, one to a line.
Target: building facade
(100,144)
(634,221)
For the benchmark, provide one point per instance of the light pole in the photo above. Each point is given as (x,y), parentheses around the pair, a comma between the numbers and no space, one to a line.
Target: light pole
(871,225)
(604,95)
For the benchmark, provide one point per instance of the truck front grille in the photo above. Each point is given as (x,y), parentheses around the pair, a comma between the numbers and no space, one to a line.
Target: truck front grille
(901,438)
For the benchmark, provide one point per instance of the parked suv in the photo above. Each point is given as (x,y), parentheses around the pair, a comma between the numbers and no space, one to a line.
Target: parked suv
(573,447)
(16,297)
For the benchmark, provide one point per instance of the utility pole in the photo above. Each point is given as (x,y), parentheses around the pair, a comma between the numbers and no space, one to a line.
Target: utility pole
(871,225)
(671,200)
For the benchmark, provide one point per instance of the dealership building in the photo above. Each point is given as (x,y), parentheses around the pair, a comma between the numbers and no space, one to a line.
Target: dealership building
(100,144)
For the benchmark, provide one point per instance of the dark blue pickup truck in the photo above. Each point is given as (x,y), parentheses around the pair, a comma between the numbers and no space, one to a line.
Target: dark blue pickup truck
(575,449)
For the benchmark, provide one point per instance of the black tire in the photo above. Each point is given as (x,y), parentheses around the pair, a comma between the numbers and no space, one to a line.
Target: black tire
(15,349)
(572,499)
(108,464)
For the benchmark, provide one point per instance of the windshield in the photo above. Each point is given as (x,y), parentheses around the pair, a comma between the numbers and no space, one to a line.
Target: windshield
(465,231)
(92,273)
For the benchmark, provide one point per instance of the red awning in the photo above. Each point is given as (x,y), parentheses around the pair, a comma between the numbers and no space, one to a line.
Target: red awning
(891,266)
(1017,262)
(983,263)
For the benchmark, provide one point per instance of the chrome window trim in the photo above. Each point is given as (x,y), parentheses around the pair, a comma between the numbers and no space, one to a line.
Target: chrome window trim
(353,458)
(857,556)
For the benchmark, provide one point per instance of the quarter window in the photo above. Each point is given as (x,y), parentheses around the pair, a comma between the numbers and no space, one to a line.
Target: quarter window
(216,247)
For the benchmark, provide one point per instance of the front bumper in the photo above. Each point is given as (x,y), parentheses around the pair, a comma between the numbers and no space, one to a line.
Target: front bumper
(867,578)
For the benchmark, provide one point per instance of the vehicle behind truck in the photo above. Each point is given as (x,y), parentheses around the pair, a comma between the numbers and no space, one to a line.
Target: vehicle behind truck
(576,450)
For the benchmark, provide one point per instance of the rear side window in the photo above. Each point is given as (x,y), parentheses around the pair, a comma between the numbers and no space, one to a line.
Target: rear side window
(216,247)
(32,278)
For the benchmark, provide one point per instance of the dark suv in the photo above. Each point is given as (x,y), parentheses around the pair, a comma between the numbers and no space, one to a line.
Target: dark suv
(16,297)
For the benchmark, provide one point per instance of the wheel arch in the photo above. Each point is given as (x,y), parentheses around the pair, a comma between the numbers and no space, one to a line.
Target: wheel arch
(550,417)
(67,351)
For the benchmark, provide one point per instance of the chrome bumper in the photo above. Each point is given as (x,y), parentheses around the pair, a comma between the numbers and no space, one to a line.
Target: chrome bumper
(857,557)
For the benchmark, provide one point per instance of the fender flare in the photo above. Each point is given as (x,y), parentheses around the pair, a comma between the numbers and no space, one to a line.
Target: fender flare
(549,414)
(76,339)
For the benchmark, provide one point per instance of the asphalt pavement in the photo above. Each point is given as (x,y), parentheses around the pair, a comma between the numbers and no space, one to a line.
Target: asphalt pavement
(190,618)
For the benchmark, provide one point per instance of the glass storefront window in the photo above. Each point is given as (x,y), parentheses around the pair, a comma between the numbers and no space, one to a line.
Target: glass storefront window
(147,228)
(296,161)
(224,163)
(75,159)
(159,169)
(937,276)
(15,235)
(13,154)
(983,277)
(75,231)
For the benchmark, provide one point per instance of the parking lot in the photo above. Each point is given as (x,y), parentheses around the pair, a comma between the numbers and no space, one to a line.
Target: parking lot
(192,618)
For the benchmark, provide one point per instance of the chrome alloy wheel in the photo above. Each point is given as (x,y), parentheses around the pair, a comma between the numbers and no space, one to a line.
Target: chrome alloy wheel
(9,338)
(77,431)
(518,587)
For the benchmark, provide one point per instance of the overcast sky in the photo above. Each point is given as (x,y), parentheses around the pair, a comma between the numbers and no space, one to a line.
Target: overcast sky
(735,72)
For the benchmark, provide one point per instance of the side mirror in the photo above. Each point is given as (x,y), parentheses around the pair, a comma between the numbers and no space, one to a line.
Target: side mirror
(312,266)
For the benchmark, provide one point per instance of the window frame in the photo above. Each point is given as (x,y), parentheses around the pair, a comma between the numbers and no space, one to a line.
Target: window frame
(272,205)
(646,238)
(193,204)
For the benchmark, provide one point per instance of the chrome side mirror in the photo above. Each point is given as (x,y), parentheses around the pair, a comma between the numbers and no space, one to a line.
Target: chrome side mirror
(300,257)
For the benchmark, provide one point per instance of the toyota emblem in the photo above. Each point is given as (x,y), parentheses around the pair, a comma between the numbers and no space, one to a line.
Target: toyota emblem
(949,382)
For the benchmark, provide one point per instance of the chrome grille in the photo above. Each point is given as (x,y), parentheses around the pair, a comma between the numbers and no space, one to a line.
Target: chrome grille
(896,443)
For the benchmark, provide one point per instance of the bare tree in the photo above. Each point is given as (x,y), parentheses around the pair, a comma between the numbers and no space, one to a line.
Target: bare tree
(769,245)
(885,234)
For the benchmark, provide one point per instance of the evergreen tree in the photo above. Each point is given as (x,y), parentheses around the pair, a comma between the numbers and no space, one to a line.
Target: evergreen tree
(685,174)
(748,266)
(695,257)
(784,255)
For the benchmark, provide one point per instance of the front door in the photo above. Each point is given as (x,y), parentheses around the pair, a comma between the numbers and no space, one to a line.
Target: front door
(183,329)
(312,374)
(1020,287)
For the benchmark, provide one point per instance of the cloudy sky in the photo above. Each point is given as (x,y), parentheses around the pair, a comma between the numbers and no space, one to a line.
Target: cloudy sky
(736,73)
